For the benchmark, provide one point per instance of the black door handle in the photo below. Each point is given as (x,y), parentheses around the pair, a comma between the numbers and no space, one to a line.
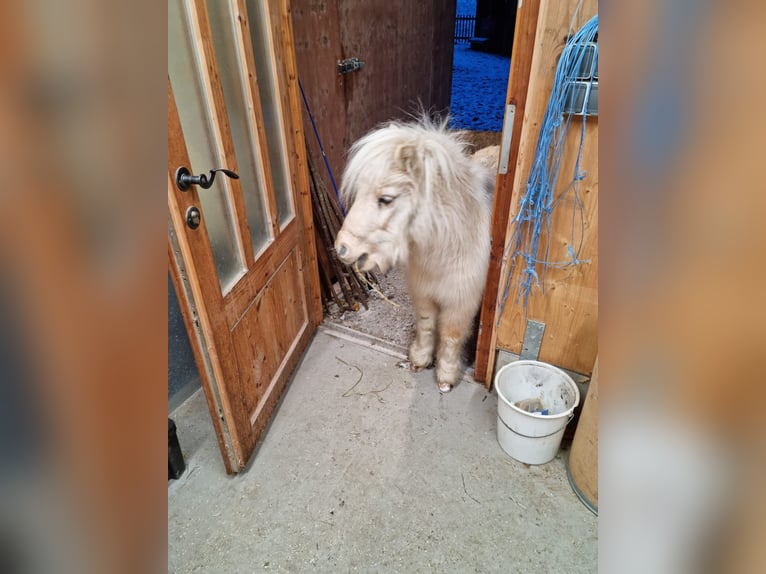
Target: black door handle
(184,178)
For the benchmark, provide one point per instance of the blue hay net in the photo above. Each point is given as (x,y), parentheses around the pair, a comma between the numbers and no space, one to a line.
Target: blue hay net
(533,221)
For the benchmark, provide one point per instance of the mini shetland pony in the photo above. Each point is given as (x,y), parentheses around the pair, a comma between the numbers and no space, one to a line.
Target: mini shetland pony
(416,197)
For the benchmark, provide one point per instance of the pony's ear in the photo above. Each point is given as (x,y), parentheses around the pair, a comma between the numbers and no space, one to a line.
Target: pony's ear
(408,158)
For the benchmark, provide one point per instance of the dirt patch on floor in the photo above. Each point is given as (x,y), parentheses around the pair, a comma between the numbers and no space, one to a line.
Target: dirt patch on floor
(382,319)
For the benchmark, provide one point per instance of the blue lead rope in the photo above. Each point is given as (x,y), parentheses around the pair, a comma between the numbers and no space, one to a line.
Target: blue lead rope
(321,148)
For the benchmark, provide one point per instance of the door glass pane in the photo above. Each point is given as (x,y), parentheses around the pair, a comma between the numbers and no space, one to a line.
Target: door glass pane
(230,66)
(194,112)
(267,82)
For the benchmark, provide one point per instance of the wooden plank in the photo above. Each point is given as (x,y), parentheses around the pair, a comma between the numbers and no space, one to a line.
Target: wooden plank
(518,88)
(243,293)
(276,32)
(442,53)
(198,350)
(274,393)
(265,334)
(215,333)
(569,306)
(206,292)
(245,46)
(317,50)
(203,42)
(407,55)
(373,93)
(299,163)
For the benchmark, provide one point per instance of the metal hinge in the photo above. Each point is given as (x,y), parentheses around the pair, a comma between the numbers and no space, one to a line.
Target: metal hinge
(533,339)
(505,143)
(350,65)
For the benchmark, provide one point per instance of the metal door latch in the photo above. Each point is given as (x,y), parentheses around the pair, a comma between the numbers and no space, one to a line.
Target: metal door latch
(349,65)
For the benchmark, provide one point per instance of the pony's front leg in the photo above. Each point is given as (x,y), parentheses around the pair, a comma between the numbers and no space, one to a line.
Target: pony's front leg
(452,333)
(422,348)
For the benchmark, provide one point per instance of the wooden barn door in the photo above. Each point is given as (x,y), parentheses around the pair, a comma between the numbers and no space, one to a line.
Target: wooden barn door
(241,251)
(406,48)
(569,307)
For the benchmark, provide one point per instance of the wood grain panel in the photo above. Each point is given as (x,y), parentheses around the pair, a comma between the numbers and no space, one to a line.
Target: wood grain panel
(206,380)
(372,93)
(317,49)
(267,331)
(518,88)
(442,51)
(569,307)
(256,111)
(284,49)
(243,293)
(407,50)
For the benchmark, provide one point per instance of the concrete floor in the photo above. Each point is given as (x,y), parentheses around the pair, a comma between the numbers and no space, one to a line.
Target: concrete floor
(383,475)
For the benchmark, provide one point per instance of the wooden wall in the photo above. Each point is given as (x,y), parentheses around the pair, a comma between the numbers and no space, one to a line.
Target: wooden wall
(569,307)
(407,50)
(317,49)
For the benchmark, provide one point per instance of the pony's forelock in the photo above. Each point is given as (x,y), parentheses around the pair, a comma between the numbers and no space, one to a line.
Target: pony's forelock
(372,157)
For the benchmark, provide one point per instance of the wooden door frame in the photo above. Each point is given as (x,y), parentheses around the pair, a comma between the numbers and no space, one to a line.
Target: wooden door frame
(524,38)
(525,35)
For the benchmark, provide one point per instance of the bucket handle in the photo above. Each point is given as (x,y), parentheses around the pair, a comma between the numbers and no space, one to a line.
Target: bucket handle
(571,416)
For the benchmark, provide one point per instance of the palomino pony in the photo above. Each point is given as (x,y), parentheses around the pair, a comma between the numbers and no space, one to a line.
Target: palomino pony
(417,198)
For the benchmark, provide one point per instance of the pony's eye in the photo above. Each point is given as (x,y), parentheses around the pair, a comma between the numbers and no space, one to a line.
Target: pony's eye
(385,199)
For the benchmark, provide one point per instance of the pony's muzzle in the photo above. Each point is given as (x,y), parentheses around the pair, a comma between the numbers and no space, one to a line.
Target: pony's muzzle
(346,252)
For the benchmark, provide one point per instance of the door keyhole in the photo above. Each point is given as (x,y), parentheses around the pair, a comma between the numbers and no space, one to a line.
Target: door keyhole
(193,217)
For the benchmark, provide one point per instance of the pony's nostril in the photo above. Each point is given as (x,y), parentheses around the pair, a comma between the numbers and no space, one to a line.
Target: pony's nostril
(362,259)
(342,251)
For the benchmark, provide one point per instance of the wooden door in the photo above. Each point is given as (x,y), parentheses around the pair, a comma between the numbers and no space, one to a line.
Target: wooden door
(246,276)
(406,48)
(524,42)
(569,306)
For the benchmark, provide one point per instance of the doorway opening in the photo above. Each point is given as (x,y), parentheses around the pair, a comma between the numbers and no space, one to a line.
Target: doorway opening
(481,50)
(480,65)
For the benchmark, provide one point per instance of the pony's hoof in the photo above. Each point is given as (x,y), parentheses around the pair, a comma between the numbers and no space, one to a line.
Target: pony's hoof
(417,366)
(444,387)
(420,360)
